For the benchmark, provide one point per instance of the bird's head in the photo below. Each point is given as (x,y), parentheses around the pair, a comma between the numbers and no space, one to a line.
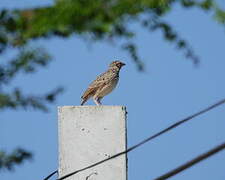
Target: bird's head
(116,64)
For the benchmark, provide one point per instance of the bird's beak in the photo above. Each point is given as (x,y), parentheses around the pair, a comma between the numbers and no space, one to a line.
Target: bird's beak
(123,64)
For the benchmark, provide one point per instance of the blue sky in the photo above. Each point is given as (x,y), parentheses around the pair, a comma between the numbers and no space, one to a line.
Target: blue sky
(171,88)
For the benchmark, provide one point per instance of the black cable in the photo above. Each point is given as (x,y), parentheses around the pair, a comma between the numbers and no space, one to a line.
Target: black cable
(50,175)
(192,162)
(147,139)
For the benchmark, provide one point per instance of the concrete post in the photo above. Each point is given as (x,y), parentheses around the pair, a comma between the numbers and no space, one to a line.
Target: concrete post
(88,134)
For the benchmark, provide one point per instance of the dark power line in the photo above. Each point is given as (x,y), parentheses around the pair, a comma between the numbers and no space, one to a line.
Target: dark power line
(50,175)
(178,123)
(191,162)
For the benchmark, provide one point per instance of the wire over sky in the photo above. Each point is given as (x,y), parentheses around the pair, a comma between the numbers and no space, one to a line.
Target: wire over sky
(191,162)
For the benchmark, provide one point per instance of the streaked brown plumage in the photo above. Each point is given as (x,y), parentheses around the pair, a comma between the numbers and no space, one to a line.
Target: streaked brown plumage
(104,84)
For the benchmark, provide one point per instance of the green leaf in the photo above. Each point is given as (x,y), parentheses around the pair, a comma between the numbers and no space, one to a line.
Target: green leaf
(9,161)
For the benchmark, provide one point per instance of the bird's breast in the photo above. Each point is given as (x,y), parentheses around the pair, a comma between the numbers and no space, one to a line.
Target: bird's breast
(108,88)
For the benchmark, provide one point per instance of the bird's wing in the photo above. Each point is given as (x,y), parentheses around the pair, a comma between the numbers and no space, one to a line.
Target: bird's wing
(100,81)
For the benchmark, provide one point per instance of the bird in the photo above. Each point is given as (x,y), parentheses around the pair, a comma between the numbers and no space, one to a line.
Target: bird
(103,84)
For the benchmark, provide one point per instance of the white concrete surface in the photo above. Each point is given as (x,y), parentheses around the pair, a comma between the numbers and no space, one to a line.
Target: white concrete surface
(88,134)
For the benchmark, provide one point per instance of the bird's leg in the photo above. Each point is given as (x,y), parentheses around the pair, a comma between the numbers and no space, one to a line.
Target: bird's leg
(99,100)
(96,100)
